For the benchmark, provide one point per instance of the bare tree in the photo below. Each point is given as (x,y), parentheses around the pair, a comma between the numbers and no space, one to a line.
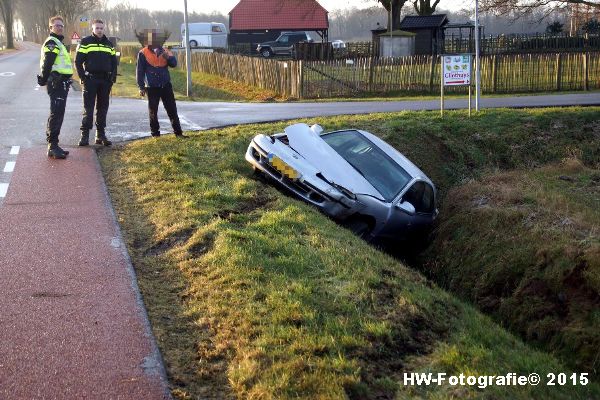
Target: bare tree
(35,14)
(7,12)
(424,7)
(528,7)
(395,6)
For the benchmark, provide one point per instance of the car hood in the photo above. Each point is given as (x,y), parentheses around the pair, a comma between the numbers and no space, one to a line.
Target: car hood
(307,142)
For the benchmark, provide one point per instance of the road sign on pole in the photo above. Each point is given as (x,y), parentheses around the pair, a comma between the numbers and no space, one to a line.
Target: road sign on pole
(84,23)
(75,36)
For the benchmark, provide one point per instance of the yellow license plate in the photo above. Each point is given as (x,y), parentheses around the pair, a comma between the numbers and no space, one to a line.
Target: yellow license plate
(283,167)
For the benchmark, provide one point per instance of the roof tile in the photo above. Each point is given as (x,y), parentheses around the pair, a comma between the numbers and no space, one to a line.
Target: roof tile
(278,14)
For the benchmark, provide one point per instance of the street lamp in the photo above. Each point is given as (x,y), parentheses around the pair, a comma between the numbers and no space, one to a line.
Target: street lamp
(188,58)
(477,60)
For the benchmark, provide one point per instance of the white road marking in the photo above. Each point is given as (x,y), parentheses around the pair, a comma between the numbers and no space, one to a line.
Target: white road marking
(3,189)
(14,150)
(9,167)
(190,125)
(7,74)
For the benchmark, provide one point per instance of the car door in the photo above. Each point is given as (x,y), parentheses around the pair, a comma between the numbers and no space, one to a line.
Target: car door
(282,45)
(414,212)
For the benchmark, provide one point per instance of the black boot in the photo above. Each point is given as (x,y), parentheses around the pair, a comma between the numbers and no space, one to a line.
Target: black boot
(101,139)
(56,152)
(180,135)
(85,138)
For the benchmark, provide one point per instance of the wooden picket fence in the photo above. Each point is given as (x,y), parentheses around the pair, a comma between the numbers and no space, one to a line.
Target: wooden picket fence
(517,73)
(501,73)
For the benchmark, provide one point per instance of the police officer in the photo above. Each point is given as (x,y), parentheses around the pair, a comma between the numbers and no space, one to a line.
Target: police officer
(96,63)
(56,71)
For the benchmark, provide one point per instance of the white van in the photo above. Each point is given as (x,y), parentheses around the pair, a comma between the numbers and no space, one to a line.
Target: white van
(206,34)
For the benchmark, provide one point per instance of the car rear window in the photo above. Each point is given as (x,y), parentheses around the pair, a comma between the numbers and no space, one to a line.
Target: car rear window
(379,169)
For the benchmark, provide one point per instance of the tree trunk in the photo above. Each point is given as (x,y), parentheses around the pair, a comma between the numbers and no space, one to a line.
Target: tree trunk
(6,9)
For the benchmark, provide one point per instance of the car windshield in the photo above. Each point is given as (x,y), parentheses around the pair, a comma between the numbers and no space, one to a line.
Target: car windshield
(379,169)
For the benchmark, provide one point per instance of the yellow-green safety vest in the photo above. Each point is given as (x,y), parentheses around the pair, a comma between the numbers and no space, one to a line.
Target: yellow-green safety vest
(62,63)
(88,48)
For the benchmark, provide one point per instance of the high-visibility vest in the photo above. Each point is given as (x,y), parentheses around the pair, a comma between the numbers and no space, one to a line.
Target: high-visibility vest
(101,47)
(62,63)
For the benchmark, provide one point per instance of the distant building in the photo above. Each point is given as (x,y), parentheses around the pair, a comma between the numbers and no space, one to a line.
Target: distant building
(429,31)
(257,21)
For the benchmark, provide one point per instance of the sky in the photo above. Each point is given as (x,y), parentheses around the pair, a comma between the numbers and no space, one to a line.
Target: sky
(224,6)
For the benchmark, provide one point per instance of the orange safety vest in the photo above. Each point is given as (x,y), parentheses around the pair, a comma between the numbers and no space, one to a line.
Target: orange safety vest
(153,59)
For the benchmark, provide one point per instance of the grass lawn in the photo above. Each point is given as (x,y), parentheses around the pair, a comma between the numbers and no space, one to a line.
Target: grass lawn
(252,294)
(205,87)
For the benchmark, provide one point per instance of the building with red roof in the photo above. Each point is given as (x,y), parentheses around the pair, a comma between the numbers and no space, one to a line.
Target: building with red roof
(257,21)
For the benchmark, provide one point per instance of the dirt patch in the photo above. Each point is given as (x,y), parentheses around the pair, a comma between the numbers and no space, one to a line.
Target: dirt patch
(173,240)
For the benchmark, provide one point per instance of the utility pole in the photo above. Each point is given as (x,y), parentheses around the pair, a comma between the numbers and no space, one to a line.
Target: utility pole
(477,63)
(188,58)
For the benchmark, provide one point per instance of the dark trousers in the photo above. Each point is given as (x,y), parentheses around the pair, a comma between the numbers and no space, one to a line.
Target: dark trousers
(96,92)
(168,99)
(58,90)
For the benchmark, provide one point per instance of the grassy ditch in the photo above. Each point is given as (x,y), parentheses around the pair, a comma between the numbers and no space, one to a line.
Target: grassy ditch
(252,294)
(525,247)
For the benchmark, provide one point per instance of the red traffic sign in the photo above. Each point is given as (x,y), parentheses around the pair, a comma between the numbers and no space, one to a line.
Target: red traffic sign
(75,36)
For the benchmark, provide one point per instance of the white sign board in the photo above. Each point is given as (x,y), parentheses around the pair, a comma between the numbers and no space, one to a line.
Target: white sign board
(456,69)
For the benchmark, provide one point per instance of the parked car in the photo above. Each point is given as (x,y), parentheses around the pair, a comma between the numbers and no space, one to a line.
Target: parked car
(338,44)
(283,45)
(352,176)
(206,34)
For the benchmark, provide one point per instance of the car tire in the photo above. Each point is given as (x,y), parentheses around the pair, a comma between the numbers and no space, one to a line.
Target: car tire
(266,53)
(193,43)
(359,227)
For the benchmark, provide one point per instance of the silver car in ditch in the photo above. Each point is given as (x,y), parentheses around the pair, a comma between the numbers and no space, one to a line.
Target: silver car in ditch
(351,175)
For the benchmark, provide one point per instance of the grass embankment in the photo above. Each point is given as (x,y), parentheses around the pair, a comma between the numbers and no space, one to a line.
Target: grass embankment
(525,247)
(205,87)
(252,294)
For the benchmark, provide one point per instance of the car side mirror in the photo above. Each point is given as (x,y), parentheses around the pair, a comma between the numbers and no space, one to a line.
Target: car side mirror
(406,207)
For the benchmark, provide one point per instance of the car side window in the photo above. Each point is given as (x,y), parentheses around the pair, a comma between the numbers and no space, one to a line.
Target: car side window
(420,195)
(216,28)
(283,39)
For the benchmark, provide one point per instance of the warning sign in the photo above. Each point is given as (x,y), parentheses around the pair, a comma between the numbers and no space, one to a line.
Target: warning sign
(75,36)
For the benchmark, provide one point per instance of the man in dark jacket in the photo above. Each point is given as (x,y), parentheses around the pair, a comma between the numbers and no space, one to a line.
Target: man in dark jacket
(56,71)
(96,63)
(153,78)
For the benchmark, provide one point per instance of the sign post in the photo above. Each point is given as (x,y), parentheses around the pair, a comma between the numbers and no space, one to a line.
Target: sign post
(455,71)
(75,38)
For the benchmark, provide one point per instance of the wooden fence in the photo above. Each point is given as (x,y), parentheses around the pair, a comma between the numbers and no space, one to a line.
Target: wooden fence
(513,44)
(283,77)
(421,74)
(502,73)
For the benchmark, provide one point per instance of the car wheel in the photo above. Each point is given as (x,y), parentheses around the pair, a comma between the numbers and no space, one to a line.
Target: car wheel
(359,227)
(266,53)
(193,43)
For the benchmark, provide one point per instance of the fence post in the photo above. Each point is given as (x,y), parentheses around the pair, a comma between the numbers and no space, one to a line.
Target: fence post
(558,71)
(431,72)
(300,79)
(494,74)
(371,72)
(586,73)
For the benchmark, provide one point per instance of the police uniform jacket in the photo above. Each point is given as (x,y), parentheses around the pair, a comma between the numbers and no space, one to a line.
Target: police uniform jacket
(97,57)
(50,51)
